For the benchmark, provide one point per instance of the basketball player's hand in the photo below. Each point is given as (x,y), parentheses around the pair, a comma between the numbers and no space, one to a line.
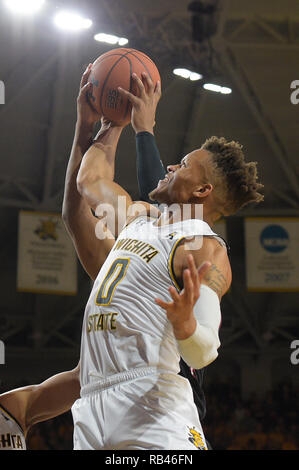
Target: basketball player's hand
(180,310)
(143,106)
(86,114)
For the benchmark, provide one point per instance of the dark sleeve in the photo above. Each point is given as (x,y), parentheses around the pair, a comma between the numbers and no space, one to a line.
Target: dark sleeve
(150,169)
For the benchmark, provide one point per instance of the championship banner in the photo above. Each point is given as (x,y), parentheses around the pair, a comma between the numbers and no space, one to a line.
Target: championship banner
(47,262)
(272,254)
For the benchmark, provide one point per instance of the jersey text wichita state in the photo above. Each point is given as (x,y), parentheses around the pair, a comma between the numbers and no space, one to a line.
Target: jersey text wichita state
(123,327)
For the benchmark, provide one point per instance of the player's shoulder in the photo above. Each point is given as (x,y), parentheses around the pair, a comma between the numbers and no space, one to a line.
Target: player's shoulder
(206,248)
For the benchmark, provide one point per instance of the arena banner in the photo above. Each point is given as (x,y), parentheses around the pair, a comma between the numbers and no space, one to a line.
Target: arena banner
(47,262)
(272,254)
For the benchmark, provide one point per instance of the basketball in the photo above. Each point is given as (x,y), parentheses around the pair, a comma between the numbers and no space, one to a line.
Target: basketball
(112,70)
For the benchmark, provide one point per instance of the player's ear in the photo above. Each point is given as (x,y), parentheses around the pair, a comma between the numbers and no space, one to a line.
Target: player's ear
(203,190)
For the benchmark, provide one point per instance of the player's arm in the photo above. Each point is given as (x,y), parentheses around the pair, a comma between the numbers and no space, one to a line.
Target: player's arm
(76,213)
(195,311)
(35,403)
(96,185)
(150,168)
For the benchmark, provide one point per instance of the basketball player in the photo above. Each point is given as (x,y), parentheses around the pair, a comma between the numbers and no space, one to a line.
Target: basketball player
(76,212)
(23,407)
(131,394)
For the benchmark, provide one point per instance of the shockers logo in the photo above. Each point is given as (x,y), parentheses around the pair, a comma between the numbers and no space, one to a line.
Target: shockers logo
(196,439)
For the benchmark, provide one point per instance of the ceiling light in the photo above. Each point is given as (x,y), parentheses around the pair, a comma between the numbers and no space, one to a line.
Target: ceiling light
(217,88)
(225,90)
(71,21)
(123,41)
(26,7)
(111,39)
(185,73)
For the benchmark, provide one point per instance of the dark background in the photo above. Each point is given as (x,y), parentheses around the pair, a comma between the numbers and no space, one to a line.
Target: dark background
(252,47)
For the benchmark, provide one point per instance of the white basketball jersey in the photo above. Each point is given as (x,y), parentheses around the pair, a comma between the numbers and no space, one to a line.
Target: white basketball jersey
(11,434)
(123,327)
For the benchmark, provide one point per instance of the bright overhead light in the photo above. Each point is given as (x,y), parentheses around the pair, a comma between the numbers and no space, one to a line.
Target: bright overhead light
(123,41)
(182,73)
(185,73)
(71,21)
(110,39)
(217,88)
(225,90)
(26,7)
(195,76)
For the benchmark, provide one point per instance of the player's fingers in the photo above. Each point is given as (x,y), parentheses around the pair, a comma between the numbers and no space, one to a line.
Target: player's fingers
(84,90)
(193,271)
(188,286)
(126,94)
(85,76)
(162,304)
(139,84)
(148,83)
(202,270)
(174,294)
(158,91)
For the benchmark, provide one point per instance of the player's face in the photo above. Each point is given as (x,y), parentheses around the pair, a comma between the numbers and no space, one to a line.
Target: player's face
(182,180)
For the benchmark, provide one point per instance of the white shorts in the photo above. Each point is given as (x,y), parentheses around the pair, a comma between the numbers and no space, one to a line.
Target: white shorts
(142,409)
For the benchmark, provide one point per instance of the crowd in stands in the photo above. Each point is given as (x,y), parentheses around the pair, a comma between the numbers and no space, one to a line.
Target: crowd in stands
(257,423)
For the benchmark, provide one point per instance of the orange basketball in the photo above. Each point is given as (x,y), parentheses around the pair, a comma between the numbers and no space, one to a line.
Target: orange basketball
(112,70)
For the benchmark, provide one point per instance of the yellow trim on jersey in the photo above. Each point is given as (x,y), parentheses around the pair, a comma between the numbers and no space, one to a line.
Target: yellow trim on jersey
(170,263)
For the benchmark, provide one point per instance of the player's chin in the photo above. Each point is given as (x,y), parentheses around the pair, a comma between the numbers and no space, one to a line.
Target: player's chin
(152,194)
(157,195)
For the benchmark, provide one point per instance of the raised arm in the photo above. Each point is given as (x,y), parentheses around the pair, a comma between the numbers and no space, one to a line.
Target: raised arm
(150,168)
(95,180)
(78,218)
(95,177)
(35,403)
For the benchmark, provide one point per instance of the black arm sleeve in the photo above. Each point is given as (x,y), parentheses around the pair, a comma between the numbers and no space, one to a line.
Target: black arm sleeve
(150,169)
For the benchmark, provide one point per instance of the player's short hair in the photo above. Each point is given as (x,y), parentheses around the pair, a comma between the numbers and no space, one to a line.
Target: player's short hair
(235,181)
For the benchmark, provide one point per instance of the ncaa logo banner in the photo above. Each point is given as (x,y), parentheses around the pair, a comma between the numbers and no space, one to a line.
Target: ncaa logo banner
(272,254)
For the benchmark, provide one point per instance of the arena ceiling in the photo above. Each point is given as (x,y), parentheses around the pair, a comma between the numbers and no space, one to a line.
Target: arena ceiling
(253,48)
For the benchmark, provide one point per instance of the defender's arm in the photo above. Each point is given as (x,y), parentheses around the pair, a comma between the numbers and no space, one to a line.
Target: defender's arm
(35,403)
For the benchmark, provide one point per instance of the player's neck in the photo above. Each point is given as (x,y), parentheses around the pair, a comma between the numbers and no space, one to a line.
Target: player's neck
(179,212)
